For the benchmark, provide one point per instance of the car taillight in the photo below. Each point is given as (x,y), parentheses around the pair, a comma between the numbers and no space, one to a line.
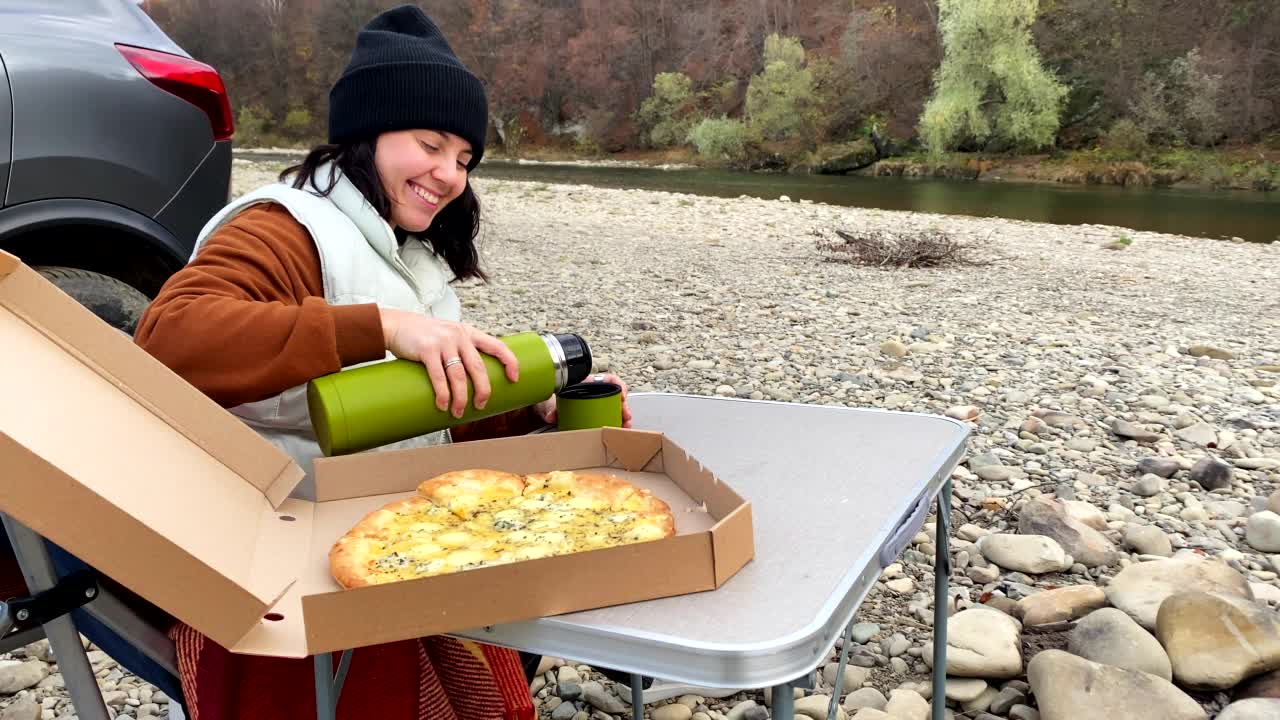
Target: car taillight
(193,81)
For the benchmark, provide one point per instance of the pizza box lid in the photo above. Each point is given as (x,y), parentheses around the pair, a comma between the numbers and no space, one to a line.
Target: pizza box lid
(112,456)
(109,454)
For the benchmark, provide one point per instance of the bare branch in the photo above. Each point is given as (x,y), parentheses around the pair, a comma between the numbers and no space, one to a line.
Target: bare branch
(915,249)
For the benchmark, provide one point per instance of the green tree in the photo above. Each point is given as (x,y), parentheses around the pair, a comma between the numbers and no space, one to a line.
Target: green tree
(783,100)
(666,113)
(991,84)
(720,138)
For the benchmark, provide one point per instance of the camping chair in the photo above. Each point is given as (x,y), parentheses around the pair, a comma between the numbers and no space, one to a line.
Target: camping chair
(49,593)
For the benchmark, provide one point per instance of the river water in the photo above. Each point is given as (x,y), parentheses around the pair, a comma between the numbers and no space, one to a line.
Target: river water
(1253,216)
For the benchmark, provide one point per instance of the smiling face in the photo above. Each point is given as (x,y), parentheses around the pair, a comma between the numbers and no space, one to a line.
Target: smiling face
(421,171)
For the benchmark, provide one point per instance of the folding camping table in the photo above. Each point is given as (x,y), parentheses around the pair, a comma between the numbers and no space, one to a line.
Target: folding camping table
(837,493)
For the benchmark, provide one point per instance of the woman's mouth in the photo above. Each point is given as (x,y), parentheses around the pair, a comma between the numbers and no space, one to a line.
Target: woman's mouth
(429,199)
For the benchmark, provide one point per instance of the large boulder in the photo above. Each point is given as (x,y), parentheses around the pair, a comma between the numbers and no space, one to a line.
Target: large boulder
(1071,688)
(1140,588)
(1110,637)
(844,157)
(982,643)
(1052,518)
(1025,553)
(1214,643)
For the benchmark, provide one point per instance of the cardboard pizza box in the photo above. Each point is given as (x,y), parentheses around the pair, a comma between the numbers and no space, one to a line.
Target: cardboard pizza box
(107,453)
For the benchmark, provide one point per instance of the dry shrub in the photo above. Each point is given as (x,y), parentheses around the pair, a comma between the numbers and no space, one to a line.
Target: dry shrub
(908,249)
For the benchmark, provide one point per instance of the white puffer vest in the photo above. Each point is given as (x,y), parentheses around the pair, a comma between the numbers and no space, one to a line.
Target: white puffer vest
(361,262)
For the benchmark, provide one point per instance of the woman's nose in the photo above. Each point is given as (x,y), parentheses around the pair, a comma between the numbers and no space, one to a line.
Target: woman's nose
(446,172)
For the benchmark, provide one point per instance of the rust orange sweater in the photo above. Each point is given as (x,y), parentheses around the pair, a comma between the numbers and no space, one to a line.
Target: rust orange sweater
(247,319)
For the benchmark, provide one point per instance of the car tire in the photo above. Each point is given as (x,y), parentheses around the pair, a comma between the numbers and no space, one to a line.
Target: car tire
(118,304)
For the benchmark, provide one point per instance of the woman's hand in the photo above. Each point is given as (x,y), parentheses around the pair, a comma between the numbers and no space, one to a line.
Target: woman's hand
(451,352)
(547,408)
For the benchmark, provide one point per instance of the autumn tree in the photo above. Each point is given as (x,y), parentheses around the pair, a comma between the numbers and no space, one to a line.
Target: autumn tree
(991,84)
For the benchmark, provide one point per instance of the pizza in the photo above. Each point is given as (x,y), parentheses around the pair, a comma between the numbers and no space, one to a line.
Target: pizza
(479,518)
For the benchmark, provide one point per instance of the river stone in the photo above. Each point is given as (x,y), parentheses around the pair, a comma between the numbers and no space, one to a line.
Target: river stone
(982,643)
(674,711)
(1050,518)
(1254,709)
(1058,419)
(980,703)
(873,714)
(862,632)
(1266,685)
(567,674)
(1273,504)
(965,689)
(1072,688)
(737,712)
(569,691)
(1024,553)
(601,699)
(1126,429)
(1201,434)
(867,697)
(21,709)
(1006,699)
(1209,351)
(893,349)
(1162,467)
(1148,485)
(997,473)
(15,675)
(1086,513)
(1211,473)
(1110,637)
(1263,532)
(1224,509)
(815,707)
(1059,605)
(1214,643)
(1139,589)
(1147,540)
(854,677)
(906,705)
(564,711)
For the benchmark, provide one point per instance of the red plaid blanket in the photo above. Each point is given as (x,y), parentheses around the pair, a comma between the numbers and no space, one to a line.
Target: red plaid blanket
(434,678)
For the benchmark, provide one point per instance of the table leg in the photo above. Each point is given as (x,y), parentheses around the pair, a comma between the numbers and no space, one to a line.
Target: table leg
(833,708)
(637,696)
(326,703)
(784,702)
(941,578)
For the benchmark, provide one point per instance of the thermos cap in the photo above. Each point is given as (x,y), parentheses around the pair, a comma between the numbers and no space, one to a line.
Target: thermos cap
(577,357)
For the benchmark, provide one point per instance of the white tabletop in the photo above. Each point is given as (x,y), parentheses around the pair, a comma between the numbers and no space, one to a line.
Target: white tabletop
(828,486)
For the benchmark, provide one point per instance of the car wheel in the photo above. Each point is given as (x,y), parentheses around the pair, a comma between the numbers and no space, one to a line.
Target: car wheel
(118,304)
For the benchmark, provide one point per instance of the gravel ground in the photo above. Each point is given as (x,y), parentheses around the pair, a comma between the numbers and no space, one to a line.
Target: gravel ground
(1073,362)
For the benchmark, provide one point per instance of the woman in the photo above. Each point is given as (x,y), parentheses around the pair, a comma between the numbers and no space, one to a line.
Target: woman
(350,262)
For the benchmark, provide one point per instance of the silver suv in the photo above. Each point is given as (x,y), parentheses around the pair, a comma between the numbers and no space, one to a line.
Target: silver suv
(115,149)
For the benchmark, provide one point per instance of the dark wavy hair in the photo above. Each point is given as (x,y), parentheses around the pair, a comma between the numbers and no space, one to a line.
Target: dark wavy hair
(453,231)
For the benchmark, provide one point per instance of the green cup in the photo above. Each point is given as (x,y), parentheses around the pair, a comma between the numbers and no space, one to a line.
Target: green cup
(589,405)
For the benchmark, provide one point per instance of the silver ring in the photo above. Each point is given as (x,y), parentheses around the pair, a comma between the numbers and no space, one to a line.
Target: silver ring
(451,362)
(598,378)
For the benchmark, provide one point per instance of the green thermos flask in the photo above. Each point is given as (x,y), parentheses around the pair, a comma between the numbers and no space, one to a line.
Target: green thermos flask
(386,402)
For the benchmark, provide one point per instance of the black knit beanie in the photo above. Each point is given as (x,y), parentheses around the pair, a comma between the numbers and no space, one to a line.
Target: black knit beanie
(403,75)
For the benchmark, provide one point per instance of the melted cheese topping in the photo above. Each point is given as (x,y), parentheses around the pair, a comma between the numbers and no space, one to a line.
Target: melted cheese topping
(485,531)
